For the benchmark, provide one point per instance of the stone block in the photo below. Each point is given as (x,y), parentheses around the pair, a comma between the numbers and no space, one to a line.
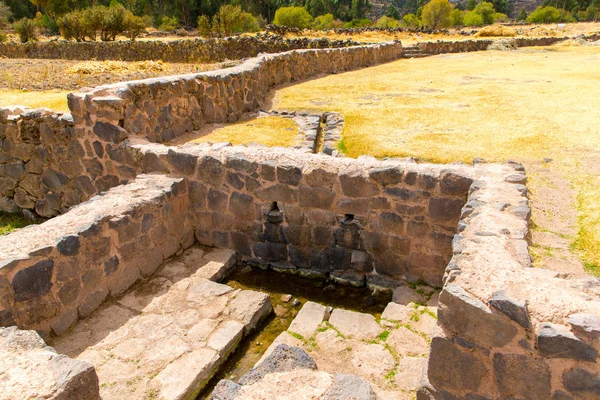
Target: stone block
(451,368)
(270,251)
(282,359)
(471,319)
(520,376)
(512,308)
(387,175)
(242,206)
(354,324)
(556,341)
(68,245)
(316,197)
(308,319)
(289,174)
(356,183)
(349,387)
(583,383)
(182,163)
(585,324)
(445,209)
(454,184)
(33,282)
(209,170)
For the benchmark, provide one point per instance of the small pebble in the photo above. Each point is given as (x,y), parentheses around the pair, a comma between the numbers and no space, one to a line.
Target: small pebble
(295,302)
(286,298)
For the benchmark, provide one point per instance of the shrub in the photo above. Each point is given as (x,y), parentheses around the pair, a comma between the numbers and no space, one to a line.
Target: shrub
(522,17)
(204,28)
(541,14)
(134,26)
(73,26)
(411,21)
(457,17)
(26,29)
(392,12)
(323,22)
(294,17)
(487,11)
(168,24)
(437,14)
(499,17)
(386,22)
(113,22)
(358,23)
(471,18)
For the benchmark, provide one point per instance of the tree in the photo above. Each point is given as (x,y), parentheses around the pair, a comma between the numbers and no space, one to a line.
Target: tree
(323,22)
(487,11)
(134,25)
(471,18)
(204,27)
(457,17)
(411,21)
(392,12)
(386,22)
(471,4)
(541,14)
(436,14)
(522,15)
(294,17)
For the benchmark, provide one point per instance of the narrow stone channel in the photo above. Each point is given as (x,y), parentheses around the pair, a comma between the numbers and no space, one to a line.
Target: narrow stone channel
(278,286)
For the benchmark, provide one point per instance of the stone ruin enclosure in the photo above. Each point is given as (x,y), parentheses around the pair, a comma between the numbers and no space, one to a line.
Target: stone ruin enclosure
(124,202)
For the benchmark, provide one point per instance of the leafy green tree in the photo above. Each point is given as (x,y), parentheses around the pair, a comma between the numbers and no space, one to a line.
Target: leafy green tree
(386,22)
(359,8)
(411,21)
(522,15)
(168,24)
(204,28)
(546,14)
(457,17)
(471,5)
(323,22)
(318,7)
(471,18)
(487,11)
(134,25)
(437,14)
(294,17)
(358,23)
(392,12)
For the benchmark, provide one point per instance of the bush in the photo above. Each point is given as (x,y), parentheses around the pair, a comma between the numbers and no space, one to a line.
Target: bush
(499,17)
(204,27)
(168,24)
(294,17)
(26,29)
(358,23)
(411,21)
(457,17)
(230,19)
(386,22)
(437,14)
(471,18)
(541,14)
(522,17)
(323,22)
(487,11)
(113,22)
(73,26)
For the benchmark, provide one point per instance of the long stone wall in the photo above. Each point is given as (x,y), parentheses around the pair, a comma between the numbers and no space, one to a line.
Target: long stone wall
(506,330)
(50,162)
(176,51)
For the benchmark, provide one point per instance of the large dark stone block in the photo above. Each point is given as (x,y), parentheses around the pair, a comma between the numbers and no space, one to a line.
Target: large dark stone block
(316,198)
(445,209)
(182,163)
(557,341)
(519,376)
(355,183)
(387,175)
(109,132)
(270,251)
(33,282)
(210,170)
(455,184)
(242,206)
(583,383)
(217,201)
(337,258)
(289,174)
(391,223)
(512,308)
(451,368)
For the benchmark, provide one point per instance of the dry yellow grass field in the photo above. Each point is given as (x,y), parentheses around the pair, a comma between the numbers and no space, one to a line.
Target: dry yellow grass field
(271,131)
(526,105)
(53,99)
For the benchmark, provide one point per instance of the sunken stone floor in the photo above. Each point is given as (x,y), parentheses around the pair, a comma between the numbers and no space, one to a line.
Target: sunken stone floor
(166,337)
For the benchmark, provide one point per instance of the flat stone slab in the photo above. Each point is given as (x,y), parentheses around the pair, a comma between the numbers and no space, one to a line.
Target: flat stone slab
(389,353)
(31,370)
(167,337)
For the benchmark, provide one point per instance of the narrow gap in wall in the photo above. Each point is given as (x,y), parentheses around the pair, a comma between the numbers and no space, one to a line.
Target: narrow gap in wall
(320,139)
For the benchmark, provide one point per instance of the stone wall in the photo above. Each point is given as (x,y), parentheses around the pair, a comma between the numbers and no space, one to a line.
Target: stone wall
(177,51)
(50,162)
(357,221)
(56,272)
(506,330)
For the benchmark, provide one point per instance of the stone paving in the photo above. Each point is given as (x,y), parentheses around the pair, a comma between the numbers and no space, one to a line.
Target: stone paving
(389,353)
(167,337)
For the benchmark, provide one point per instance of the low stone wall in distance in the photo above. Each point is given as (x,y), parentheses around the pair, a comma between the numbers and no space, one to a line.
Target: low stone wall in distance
(506,330)
(176,51)
(56,272)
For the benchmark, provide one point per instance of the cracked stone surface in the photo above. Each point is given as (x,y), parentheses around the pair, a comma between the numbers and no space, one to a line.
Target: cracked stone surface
(166,337)
(389,353)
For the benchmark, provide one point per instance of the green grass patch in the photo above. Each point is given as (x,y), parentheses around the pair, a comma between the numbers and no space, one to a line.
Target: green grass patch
(10,222)
(383,335)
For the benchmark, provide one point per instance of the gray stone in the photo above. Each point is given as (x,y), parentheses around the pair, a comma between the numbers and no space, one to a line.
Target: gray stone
(581,382)
(355,183)
(520,376)
(33,282)
(225,390)
(54,179)
(556,341)
(470,318)
(289,174)
(241,205)
(182,163)
(68,245)
(270,251)
(109,132)
(387,175)
(445,209)
(210,170)
(585,324)
(308,319)
(455,184)
(452,368)
(512,308)
(283,358)
(404,295)
(346,387)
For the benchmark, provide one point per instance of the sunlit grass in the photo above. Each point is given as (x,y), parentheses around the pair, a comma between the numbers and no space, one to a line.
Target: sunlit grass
(525,105)
(53,99)
(269,131)
(10,222)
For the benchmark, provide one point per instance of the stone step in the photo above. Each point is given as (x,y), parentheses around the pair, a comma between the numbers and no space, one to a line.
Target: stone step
(167,337)
(389,353)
